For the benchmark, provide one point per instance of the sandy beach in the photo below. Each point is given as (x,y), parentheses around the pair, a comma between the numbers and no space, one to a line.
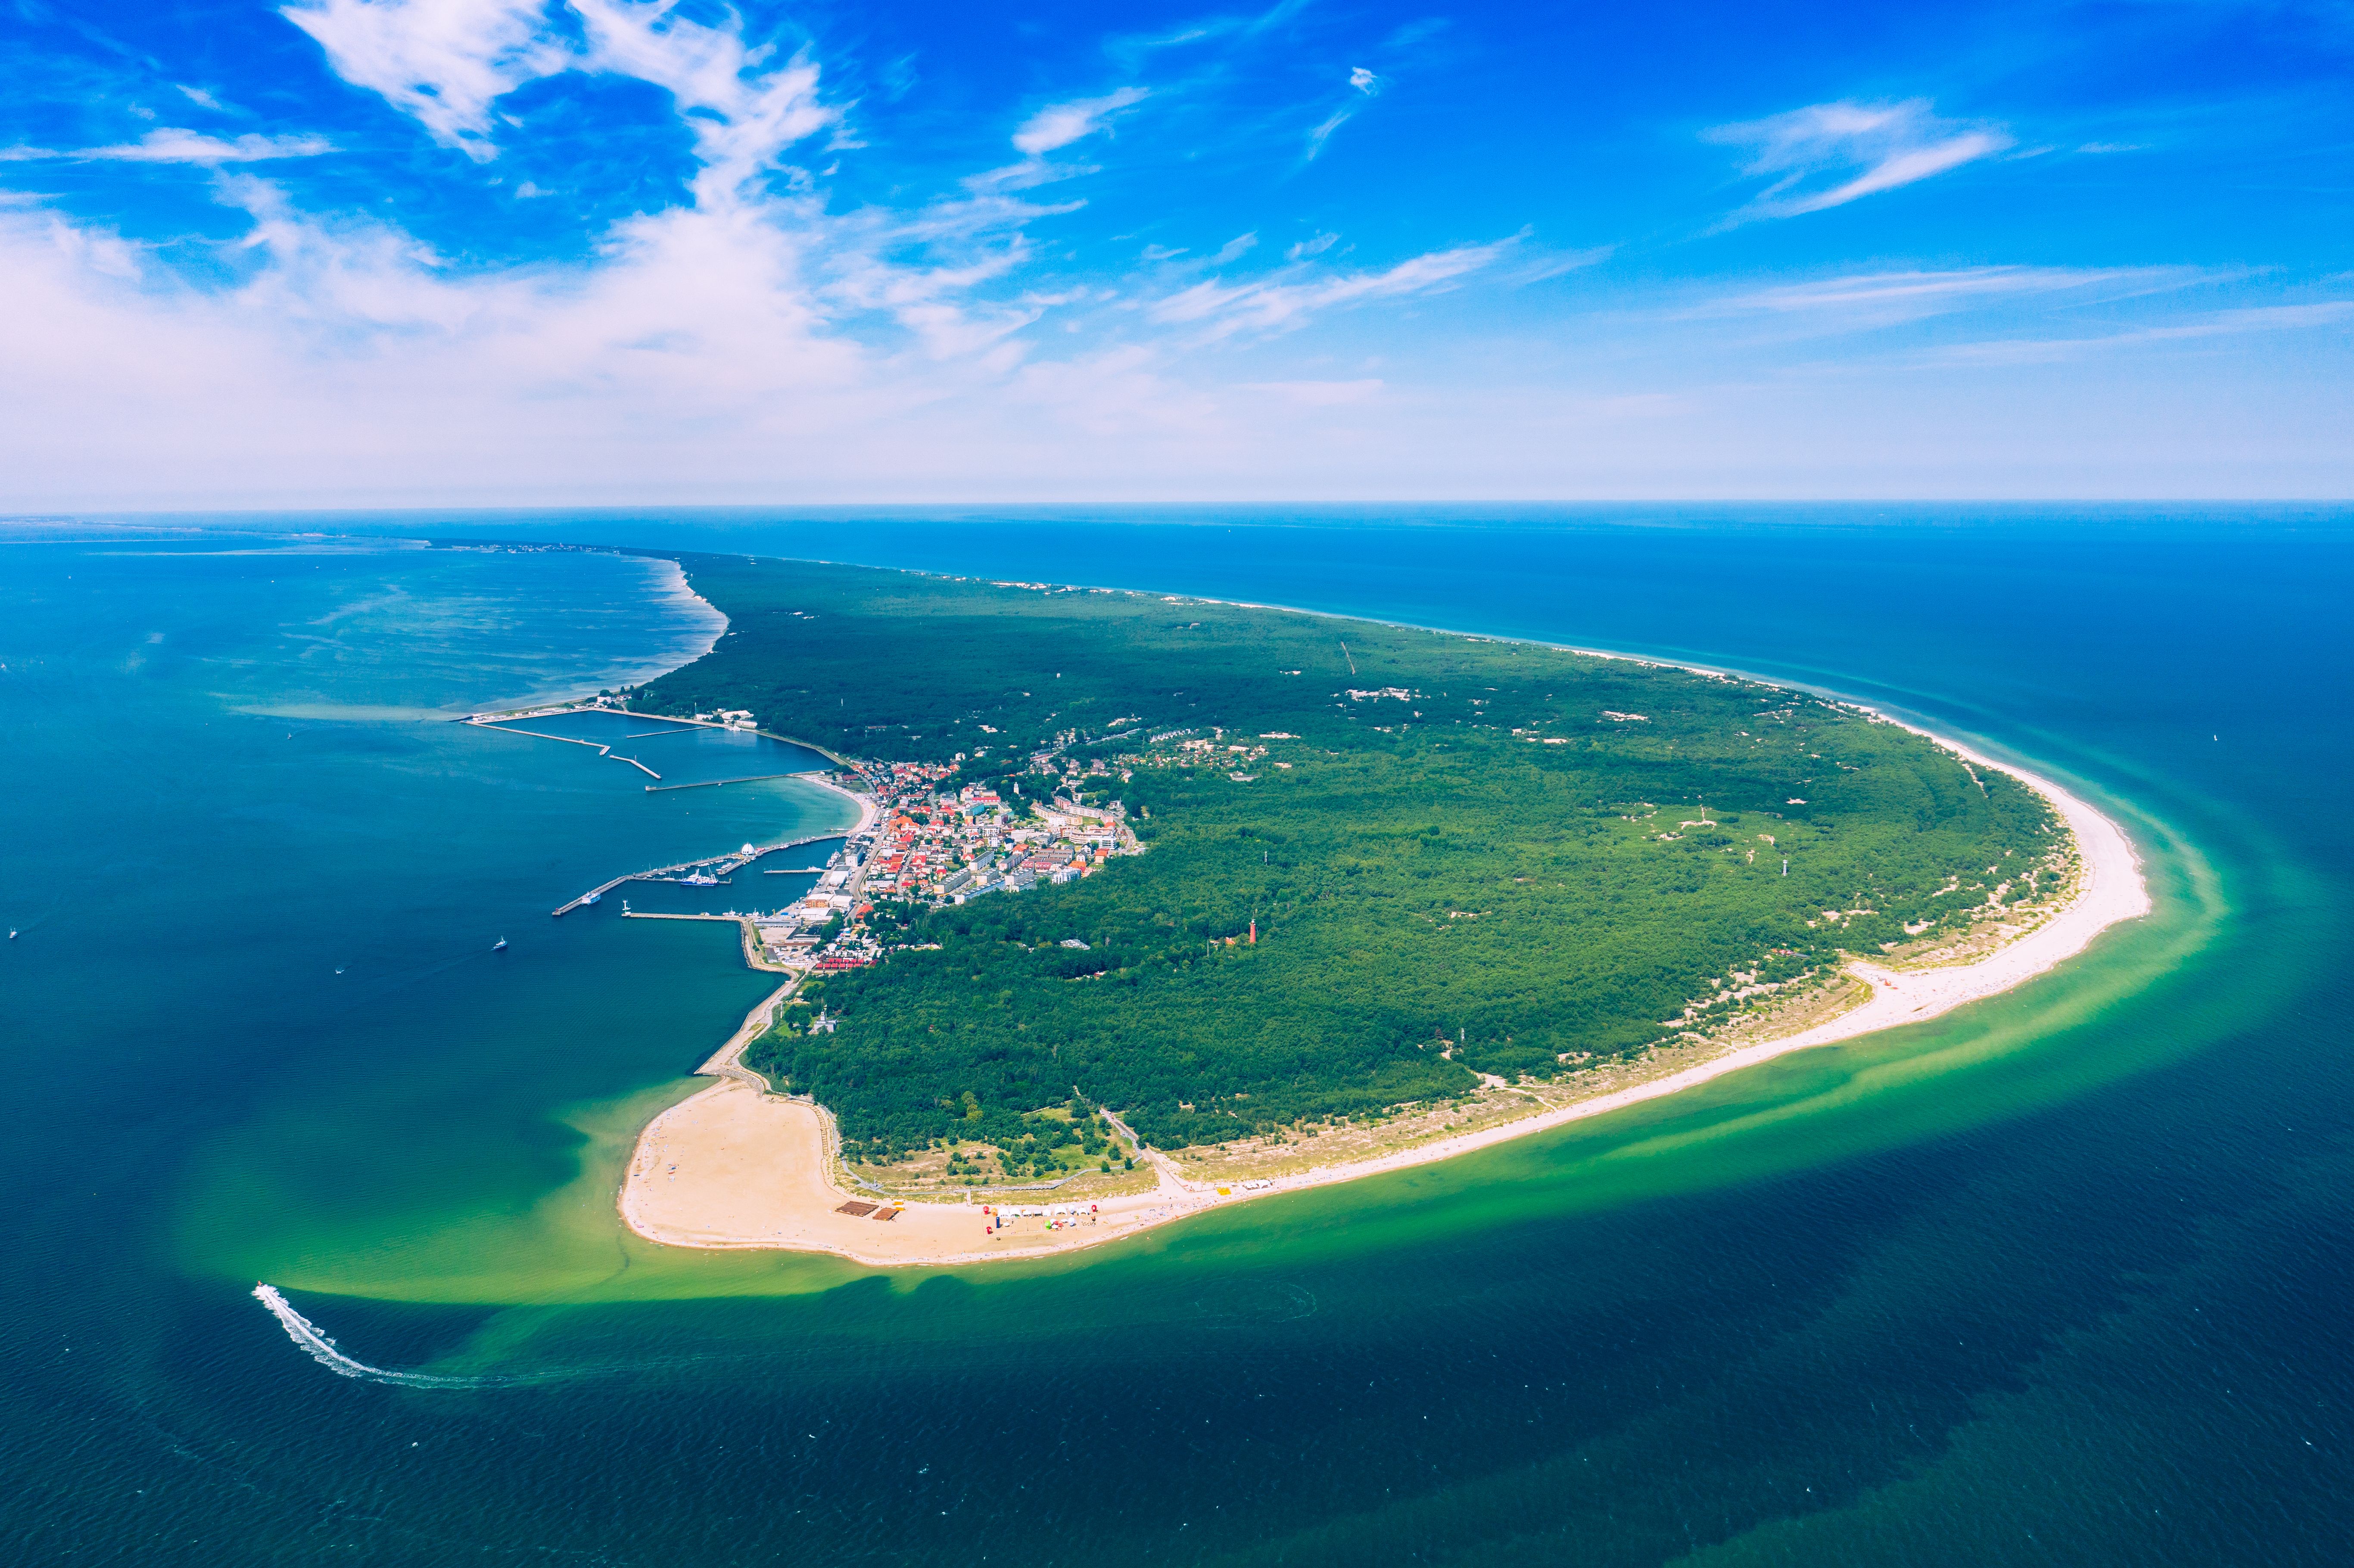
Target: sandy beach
(731,1167)
(735,1168)
(870,810)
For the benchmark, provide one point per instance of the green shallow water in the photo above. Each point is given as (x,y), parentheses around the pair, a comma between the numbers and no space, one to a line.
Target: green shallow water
(1987,1289)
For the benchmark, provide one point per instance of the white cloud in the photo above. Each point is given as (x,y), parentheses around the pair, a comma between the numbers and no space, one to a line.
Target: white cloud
(2221,324)
(446,62)
(199,96)
(1880,297)
(758,343)
(715,354)
(1290,298)
(1323,133)
(742,115)
(1828,154)
(174,146)
(1365,82)
(744,312)
(442,63)
(1060,124)
(1025,175)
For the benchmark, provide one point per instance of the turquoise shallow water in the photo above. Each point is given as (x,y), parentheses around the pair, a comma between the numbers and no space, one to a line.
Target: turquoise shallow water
(2060,1279)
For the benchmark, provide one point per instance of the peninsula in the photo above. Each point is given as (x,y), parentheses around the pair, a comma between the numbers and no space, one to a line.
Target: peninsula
(1158,903)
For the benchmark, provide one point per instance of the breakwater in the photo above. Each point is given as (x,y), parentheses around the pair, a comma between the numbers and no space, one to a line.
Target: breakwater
(482,721)
(708,783)
(717,865)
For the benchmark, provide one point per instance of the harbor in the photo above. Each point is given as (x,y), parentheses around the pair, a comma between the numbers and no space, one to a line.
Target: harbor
(712,867)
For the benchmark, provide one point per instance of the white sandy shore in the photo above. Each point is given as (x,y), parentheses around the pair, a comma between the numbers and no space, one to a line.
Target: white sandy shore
(870,810)
(732,1168)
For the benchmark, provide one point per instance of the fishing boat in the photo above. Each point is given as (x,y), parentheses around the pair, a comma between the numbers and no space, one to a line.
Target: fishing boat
(499,945)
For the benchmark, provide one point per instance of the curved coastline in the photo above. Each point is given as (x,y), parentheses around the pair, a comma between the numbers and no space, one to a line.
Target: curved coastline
(759,1166)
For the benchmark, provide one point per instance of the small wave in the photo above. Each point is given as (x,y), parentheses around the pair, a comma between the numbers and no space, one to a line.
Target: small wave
(321,1349)
(1260,1302)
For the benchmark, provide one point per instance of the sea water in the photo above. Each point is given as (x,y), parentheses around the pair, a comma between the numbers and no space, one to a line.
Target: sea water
(2061,1277)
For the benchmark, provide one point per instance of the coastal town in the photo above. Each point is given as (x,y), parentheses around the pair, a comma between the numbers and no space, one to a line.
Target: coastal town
(925,842)
(922,840)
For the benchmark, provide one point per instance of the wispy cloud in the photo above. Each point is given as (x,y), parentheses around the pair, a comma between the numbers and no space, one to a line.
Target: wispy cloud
(1828,154)
(175,146)
(1291,297)
(1362,82)
(789,266)
(1134,49)
(1060,124)
(2221,324)
(744,110)
(442,63)
(1883,297)
(445,62)
(1324,133)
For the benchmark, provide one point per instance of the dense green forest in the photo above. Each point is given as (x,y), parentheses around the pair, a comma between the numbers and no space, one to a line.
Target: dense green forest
(1483,857)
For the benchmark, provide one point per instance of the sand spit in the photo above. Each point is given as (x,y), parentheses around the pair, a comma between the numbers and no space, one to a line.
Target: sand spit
(733,1168)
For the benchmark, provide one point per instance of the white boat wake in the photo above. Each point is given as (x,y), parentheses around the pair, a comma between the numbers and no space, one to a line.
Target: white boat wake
(321,1349)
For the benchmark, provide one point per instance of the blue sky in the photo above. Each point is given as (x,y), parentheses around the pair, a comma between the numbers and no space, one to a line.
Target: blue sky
(377,252)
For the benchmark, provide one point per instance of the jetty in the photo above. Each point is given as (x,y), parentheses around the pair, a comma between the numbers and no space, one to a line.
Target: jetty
(723,865)
(707,783)
(674,724)
(491,721)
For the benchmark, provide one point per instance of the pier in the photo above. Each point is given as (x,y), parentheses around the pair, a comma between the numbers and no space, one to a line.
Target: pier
(601,748)
(542,734)
(715,783)
(726,865)
(501,720)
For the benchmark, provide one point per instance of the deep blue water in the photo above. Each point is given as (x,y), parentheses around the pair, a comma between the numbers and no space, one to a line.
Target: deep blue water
(2067,1283)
